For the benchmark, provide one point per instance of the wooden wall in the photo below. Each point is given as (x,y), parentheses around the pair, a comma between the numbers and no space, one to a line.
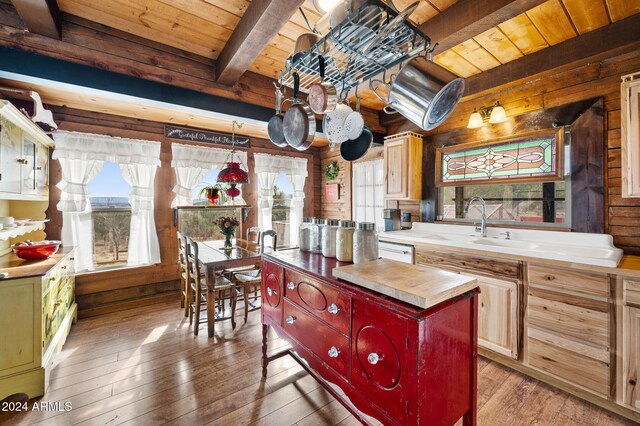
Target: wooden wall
(564,85)
(106,291)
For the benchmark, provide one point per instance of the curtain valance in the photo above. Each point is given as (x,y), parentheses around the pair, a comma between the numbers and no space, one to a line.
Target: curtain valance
(276,163)
(88,146)
(202,157)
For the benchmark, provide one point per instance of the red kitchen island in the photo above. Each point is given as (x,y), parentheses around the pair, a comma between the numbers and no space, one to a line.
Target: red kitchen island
(394,343)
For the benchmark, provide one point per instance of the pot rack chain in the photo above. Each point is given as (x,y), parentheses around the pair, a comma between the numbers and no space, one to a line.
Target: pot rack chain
(349,54)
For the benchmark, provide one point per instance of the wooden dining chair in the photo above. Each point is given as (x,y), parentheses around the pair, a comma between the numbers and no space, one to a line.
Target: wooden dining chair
(249,281)
(199,282)
(184,274)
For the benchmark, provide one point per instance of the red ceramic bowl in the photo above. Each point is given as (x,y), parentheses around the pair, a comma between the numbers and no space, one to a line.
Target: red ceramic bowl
(36,251)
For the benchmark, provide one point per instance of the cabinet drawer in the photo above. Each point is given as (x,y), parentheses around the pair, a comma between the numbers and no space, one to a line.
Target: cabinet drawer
(592,284)
(569,365)
(327,344)
(469,264)
(321,300)
(581,318)
(632,292)
(271,291)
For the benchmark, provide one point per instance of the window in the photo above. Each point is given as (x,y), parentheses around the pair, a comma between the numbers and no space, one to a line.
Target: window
(111,214)
(368,192)
(210,178)
(523,181)
(281,211)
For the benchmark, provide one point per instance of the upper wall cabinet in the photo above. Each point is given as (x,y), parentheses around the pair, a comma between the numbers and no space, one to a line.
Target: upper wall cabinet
(24,156)
(630,124)
(403,166)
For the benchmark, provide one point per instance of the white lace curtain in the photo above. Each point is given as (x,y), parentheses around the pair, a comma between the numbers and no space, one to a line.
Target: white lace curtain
(81,157)
(368,192)
(191,164)
(267,168)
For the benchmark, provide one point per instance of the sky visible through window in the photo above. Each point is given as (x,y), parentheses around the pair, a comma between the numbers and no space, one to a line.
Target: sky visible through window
(109,183)
(212,176)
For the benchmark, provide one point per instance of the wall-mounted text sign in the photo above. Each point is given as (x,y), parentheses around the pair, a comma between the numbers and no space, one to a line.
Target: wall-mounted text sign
(197,135)
(332,192)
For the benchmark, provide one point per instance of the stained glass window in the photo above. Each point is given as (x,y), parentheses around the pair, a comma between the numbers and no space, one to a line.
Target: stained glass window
(529,159)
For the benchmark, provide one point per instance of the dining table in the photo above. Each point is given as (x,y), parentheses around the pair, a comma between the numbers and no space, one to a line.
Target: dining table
(214,258)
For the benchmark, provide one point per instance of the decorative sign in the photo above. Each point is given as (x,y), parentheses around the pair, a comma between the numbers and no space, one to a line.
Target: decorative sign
(198,135)
(332,192)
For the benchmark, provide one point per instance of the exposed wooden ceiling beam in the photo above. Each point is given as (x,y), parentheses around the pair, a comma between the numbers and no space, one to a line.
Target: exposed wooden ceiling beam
(591,46)
(468,18)
(259,24)
(40,16)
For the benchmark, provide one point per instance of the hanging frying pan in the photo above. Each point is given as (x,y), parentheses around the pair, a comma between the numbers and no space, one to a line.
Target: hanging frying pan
(355,149)
(323,96)
(299,121)
(275,128)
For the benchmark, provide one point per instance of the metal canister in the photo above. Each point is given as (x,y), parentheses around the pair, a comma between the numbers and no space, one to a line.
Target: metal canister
(344,241)
(304,234)
(365,242)
(315,236)
(328,237)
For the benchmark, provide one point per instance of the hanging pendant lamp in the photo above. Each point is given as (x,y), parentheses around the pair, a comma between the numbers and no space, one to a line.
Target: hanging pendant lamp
(233,174)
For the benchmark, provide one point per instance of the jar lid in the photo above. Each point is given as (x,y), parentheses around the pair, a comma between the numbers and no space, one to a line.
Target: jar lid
(307,219)
(366,226)
(347,224)
(332,222)
(317,221)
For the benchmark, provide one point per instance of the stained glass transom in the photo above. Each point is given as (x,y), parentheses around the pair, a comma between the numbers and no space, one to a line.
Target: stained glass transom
(532,157)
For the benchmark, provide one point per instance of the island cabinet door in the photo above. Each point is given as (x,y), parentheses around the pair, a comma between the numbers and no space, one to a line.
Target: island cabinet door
(272,292)
(379,358)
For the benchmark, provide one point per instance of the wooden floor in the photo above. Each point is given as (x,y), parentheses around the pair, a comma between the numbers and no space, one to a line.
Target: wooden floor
(145,367)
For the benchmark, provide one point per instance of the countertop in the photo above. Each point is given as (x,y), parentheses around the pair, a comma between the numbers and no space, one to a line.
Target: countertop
(629,266)
(20,268)
(434,286)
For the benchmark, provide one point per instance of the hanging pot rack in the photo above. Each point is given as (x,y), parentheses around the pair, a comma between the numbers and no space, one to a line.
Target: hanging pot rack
(361,47)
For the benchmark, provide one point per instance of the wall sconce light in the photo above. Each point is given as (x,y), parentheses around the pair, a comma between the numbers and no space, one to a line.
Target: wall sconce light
(493,114)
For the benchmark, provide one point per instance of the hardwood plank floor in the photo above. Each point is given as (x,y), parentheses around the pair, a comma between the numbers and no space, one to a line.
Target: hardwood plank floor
(145,367)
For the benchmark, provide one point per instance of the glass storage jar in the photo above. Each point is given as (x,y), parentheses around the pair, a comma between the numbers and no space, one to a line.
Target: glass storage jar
(344,241)
(315,236)
(328,237)
(304,234)
(365,242)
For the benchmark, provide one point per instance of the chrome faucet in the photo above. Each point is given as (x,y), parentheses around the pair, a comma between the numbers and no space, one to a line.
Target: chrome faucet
(483,224)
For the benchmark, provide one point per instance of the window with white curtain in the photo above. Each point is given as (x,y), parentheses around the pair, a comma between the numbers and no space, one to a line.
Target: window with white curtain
(368,192)
(82,157)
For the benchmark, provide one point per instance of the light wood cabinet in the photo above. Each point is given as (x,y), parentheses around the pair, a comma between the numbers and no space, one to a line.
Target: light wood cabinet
(498,316)
(403,166)
(569,327)
(631,357)
(36,313)
(630,135)
(24,156)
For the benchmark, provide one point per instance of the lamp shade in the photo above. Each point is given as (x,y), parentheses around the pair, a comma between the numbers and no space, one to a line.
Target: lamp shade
(324,6)
(498,115)
(475,120)
(233,174)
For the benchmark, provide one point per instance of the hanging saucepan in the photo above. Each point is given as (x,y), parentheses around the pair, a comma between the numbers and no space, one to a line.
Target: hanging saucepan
(355,149)
(299,121)
(422,91)
(304,43)
(323,96)
(275,127)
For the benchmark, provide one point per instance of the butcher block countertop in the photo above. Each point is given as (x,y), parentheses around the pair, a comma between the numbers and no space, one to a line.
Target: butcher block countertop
(417,285)
(20,268)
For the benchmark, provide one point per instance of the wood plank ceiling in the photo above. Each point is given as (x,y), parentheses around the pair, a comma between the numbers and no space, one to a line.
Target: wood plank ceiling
(204,27)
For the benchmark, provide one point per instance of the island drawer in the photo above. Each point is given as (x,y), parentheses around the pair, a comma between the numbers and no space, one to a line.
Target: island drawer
(319,299)
(632,292)
(327,344)
(581,282)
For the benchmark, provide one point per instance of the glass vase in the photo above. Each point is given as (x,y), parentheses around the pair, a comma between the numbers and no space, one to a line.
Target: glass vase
(227,241)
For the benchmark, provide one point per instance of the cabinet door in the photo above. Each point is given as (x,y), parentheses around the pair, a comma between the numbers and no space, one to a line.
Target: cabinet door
(42,170)
(498,316)
(379,357)
(272,292)
(28,171)
(396,163)
(631,357)
(19,344)
(10,157)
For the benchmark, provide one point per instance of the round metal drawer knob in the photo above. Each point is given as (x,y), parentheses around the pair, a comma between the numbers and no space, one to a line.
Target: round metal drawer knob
(291,319)
(333,352)
(333,309)
(291,285)
(373,358)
